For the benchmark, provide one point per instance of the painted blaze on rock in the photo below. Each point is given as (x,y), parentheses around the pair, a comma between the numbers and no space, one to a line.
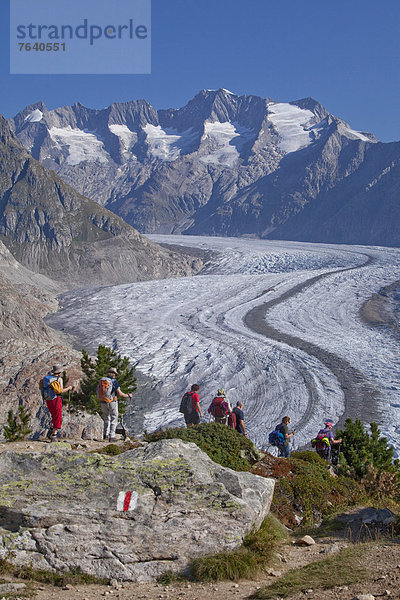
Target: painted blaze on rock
(62,509)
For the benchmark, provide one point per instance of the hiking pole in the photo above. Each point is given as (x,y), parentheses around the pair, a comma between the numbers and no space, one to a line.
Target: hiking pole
(69,402)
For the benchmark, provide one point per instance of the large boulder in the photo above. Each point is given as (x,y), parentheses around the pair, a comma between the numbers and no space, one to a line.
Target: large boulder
(132,517)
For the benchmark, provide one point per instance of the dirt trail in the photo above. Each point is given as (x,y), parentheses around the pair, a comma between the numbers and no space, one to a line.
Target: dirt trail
(382,561)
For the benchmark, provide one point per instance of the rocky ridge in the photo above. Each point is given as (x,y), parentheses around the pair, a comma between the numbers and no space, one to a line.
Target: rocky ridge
(224,165)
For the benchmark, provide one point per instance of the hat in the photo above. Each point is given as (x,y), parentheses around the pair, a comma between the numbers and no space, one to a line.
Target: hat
(328,424)
(221,392)
(112,370)
(56,369)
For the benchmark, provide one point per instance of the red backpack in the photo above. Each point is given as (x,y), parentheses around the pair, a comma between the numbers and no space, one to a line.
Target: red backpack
(217,410)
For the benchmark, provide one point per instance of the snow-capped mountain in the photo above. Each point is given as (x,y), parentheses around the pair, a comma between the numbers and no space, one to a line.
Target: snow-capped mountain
(222,164)
(52,229)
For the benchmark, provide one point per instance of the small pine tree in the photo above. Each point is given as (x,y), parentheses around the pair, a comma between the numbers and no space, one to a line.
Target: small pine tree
(94,370)
(361,449)
(17,427)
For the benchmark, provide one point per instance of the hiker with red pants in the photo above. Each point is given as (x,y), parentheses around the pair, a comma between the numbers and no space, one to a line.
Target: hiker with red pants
(219,408)
(52,387)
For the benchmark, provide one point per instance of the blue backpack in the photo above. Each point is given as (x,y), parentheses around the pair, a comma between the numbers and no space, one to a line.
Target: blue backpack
(50,387)
(276,438)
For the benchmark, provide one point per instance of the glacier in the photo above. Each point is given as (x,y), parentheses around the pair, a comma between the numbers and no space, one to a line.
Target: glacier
(197,330)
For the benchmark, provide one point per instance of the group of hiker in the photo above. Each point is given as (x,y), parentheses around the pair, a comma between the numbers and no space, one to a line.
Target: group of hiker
(323,443)
(108,391)
(220,409)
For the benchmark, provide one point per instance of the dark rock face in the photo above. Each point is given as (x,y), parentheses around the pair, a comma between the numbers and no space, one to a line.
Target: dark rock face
(52,229)
(134,516)
(224,165)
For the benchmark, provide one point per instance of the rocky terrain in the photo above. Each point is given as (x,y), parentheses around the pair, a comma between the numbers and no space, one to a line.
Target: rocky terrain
(52,229)
(21,524)
(138,515)
(224,165)
(28,348)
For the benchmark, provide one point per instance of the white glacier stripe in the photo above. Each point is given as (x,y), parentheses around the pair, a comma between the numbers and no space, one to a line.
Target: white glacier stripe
(228,138)
(290,121)
(82,145)
(121,500)
(357,134)
(167,144)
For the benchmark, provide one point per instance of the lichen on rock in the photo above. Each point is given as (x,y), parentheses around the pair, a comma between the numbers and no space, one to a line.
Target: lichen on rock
(64,509)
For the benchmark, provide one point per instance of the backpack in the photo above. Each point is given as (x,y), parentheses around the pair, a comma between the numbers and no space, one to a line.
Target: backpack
(104,390)
(186,406)
(276,437)
(50,387)
(232,420)
(321,442)
(216,408)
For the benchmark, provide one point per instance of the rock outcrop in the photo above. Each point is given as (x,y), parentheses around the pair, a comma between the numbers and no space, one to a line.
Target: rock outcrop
(27,346)
(131,517)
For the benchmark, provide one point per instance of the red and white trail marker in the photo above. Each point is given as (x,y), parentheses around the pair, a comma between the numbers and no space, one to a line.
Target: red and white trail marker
(127,501)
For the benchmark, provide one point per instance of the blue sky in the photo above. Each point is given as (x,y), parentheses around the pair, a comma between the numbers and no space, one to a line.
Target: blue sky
(343,53)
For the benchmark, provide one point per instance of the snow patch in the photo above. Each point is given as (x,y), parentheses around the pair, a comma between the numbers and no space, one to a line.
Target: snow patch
(127,137)
(291,123)
(228,140)
(168,144)
(35,116)
(356,134)
(82,146)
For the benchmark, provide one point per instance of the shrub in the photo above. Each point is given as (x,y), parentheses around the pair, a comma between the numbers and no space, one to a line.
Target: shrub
(17,427)
(306,487)
(361,448)
(256,552)
(223,445)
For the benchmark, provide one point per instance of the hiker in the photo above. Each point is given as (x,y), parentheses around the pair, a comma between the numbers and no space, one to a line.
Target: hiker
(238,412)
(324,440)
(284,449)
(107,391)
(51,387)
(220,408)
(190,406)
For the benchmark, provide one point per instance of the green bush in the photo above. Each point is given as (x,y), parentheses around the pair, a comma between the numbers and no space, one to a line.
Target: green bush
(305,487)
(17,427)
(361,448)
(223,445)
(247,561)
